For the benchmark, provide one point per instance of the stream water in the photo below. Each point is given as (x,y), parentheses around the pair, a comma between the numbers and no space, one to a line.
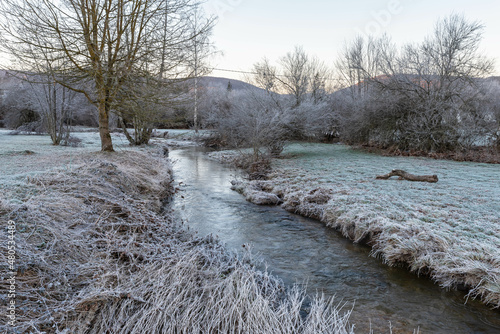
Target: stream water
(301,250)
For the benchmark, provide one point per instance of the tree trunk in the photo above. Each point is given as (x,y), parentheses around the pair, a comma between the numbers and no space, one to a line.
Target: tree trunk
(409,177)
(125,131)
(106,143)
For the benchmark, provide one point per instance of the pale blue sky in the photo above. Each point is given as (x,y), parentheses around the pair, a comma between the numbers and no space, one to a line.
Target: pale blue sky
(248,30)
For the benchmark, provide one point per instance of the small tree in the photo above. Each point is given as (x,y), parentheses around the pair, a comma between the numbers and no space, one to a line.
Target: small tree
(265,119)
(138,107)
(248,119)
(296,76)
(143,105)
(54,104)
(200,49)
(265,76)
(363,60)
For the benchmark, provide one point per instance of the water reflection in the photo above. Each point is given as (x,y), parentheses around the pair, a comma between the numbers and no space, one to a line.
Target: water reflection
(301,250)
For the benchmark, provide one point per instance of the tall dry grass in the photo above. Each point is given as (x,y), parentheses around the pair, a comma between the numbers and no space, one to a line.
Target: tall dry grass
(96,254)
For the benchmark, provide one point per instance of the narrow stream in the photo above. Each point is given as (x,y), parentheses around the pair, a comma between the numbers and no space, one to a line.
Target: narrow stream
(302,250)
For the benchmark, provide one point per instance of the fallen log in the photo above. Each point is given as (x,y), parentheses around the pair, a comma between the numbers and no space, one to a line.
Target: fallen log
(409,177)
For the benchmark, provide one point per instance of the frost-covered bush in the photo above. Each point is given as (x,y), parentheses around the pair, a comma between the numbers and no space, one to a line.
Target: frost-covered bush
(256,192)
(290,103)
(265,121)
(250,119)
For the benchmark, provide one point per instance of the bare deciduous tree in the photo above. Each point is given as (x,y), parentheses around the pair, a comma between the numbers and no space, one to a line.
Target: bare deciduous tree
(292,104)
(265,75)
(249,119)
(296,74)
(54,104)
(201,48)
(363,60)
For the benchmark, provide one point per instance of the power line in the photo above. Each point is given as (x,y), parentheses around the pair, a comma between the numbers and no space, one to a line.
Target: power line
(232,71)
(254,73)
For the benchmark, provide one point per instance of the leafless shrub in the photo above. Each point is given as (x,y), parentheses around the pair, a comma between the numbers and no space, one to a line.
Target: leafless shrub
(291,104)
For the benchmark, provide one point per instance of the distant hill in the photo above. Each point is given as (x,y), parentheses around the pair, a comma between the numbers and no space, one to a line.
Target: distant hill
(206,81)
(8,80)
(222,83)
(493,79)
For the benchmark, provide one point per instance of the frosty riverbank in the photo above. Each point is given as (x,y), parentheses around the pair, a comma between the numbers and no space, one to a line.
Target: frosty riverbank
(95,253)
(449,230)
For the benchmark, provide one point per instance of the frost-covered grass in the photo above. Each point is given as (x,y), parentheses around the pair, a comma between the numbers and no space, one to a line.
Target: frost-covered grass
(184,137)
(449,229)
(23,156)
(95,253)
(16,160)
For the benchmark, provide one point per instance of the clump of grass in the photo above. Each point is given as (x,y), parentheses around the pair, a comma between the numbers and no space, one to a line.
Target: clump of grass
(96,254)
(256,192)
(205,291)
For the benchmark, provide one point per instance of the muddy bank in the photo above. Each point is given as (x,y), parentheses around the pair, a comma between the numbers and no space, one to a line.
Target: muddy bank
(478,154)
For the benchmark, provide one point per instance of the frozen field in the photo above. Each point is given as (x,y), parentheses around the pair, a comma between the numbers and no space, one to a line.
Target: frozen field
(14,147)
(449,229)
(17,154)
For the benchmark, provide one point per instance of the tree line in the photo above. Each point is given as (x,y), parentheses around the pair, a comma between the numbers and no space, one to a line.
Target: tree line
(432,97)
(131,58)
